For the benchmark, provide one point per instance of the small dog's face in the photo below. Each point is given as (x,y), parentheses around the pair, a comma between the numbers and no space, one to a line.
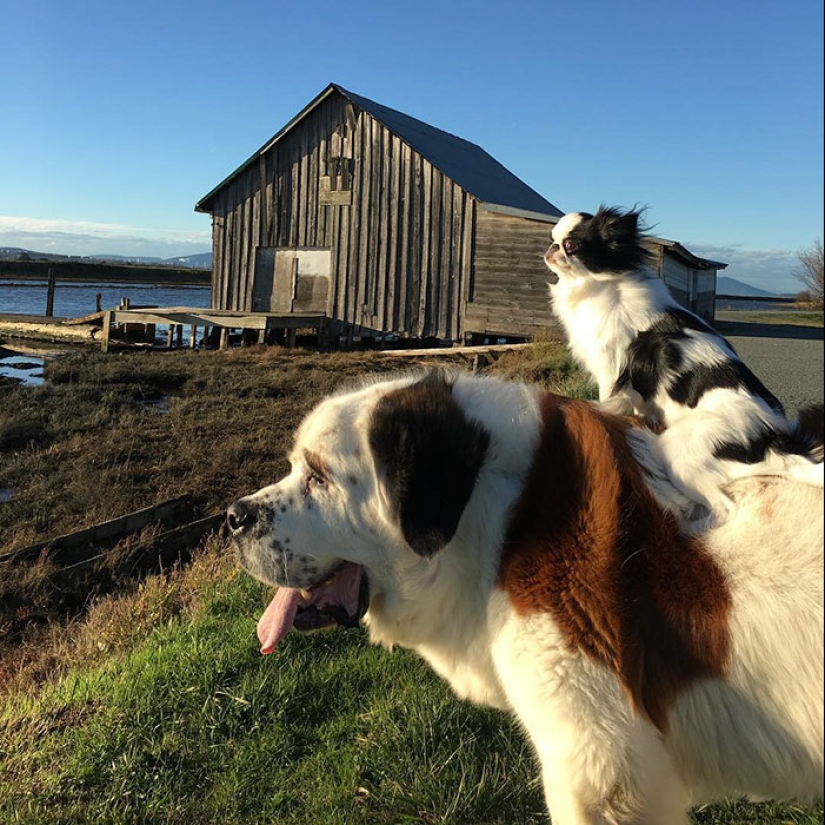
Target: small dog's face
(603,245)
(561,257)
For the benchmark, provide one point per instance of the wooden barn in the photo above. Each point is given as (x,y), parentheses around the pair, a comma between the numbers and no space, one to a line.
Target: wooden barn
(385,225)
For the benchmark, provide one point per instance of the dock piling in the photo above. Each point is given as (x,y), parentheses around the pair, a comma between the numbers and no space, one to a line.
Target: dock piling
(50,294)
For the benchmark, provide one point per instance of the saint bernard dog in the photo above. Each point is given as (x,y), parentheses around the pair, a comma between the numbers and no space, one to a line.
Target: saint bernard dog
(522,543)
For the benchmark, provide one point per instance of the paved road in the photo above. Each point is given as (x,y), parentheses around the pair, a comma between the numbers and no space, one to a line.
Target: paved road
(788,360)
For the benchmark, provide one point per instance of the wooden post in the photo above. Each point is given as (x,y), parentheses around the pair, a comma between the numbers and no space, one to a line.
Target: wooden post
(193,336)
(224,337)
(50,294)
(107,325)
(290,337)
(179,335)
(170,335)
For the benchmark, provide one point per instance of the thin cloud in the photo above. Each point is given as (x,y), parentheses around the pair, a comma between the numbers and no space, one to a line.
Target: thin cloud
(769,269)
(87,238)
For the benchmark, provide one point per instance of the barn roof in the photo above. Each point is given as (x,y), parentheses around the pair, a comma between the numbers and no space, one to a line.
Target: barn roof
(467,164)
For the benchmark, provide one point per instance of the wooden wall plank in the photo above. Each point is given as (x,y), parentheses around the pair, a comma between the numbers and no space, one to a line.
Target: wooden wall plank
(454,291)
(361,220)
(384,274)
(425,189)
(467,258)
(445,273)
(247,248)
(373,264)
(405,219)
(434,257)
(393,231)
(510,278)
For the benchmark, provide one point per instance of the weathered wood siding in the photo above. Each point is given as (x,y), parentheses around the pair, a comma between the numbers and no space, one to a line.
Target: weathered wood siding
(399,231)
(694,289)
(509,294)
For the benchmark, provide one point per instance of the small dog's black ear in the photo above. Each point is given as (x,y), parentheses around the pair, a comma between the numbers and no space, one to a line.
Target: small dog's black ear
(619,238)
(428,455)
(629,222)
(617,224)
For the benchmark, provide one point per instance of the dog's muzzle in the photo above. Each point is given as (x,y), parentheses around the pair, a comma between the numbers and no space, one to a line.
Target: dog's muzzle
(549,257)
(241,517)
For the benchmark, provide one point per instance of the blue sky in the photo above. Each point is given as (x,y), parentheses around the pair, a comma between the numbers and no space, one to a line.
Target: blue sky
(118,117)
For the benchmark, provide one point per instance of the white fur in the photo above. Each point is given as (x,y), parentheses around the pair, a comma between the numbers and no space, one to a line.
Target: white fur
(759,732)
(602,313)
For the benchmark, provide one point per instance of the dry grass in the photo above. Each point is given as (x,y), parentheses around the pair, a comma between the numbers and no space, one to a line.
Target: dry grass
(111,434)
(108,623)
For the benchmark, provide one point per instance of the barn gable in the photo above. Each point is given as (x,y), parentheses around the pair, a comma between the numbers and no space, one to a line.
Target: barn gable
(466,163)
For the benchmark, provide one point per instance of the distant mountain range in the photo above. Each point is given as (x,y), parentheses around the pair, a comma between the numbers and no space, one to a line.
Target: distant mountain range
(201,260)
(730,286)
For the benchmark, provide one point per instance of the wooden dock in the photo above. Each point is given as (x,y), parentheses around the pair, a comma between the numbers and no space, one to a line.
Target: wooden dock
(176,318)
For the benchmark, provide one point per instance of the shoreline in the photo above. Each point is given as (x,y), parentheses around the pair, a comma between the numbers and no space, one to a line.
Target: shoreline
(109,277)
(77,270)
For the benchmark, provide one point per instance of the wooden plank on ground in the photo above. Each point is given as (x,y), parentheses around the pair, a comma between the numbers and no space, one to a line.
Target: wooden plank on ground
(390,353)
(161,550)
(73,545)
(95,317)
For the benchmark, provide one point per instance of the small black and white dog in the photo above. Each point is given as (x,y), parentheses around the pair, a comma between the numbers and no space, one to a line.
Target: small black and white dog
(651,357)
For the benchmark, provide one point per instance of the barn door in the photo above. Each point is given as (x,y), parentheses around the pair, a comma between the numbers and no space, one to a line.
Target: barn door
(291,280)
(312,279)
(264,274)
(286,266)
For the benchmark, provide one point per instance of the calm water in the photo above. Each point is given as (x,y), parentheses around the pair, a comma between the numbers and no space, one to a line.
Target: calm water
(746,303)
(76,299)
(28,369)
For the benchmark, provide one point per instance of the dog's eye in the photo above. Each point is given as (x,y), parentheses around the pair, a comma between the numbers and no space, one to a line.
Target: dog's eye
(570,247)
(314,480)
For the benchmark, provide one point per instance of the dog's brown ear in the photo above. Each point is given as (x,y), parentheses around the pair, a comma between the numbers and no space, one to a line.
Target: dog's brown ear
(428,454)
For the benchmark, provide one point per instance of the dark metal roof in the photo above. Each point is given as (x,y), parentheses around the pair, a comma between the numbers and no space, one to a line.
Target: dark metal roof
(467,164)
(692,260)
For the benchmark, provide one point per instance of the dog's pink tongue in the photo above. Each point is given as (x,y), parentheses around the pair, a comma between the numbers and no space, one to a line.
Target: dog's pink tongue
(278,618)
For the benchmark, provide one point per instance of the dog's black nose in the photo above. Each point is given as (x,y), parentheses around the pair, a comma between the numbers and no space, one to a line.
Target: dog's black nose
(241,516)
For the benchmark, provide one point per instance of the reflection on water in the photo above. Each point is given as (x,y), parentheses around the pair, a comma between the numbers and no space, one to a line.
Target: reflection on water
(28,369)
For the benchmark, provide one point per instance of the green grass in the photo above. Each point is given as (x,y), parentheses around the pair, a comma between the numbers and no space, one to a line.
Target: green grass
(154,705)
(189,724)
(772,316)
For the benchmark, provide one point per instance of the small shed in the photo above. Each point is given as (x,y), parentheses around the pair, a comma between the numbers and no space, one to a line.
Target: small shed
(386,225)
(690,279)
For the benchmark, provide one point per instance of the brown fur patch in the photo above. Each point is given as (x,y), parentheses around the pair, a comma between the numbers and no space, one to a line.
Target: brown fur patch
(316,464)
(588,544)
